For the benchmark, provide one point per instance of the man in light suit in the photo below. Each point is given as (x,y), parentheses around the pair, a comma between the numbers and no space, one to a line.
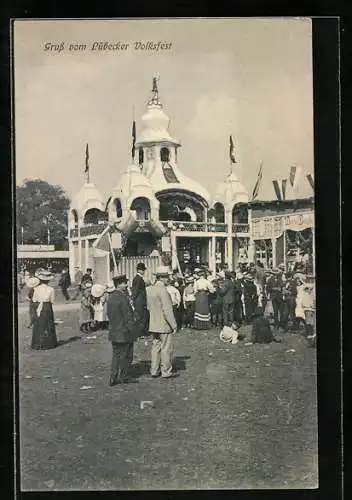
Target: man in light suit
(162,324)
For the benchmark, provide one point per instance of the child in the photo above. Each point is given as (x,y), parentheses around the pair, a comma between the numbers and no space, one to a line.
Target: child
(86,311)
(98,299)
(189,301)
(230,333)
(308,305)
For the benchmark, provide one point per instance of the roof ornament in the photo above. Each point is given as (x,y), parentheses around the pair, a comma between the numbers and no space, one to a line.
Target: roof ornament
(155,92)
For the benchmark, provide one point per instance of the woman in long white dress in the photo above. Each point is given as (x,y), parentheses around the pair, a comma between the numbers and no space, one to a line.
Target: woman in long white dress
(44,333)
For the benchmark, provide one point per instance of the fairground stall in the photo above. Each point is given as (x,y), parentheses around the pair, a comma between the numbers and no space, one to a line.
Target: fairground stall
(282,231)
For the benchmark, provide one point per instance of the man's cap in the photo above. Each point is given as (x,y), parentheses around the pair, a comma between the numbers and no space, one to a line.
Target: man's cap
(141,266)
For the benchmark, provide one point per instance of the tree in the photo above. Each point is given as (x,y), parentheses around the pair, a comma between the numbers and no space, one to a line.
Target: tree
(41,210)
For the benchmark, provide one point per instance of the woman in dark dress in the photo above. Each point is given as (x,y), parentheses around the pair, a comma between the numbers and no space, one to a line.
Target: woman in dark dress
(44,333)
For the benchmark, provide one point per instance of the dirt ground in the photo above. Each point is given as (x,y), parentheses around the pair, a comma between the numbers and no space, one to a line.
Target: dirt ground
(238,416)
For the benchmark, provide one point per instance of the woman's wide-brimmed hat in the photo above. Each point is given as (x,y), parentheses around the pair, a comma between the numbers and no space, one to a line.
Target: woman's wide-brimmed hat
(32,282)
(87,285)
(163,271)
(98,290)
(110,287)
(275,270)
(44,275)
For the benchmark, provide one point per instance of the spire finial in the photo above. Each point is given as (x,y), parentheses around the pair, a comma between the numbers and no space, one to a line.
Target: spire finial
(155,91)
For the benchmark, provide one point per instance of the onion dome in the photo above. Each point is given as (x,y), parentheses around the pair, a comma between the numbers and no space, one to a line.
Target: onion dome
(131,183)
(155,122)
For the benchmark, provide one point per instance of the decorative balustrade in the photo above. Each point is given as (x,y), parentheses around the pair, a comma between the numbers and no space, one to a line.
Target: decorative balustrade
(240,228)
(209,227)
(216,227)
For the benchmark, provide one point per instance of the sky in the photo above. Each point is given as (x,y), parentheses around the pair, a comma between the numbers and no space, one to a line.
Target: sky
(251,78)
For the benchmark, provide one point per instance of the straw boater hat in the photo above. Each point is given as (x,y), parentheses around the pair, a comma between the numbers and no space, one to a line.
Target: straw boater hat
(87,285)
(33,282)
(44,275)
(163,271)
(110,287)
(275,270)
(282,266)
(98,290)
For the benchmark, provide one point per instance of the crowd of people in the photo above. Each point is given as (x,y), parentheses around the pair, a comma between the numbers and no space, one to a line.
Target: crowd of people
(171,302)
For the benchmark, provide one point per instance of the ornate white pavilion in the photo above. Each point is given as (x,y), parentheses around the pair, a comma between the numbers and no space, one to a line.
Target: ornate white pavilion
(156,213)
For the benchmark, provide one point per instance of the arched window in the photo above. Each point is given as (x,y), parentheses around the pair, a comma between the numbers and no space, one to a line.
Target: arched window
(118,208)
(165,155)
(240,215)
(94,216)
(142,208)
(140,156)
(219,212)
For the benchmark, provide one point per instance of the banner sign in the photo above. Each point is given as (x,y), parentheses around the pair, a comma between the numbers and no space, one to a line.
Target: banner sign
(273,227)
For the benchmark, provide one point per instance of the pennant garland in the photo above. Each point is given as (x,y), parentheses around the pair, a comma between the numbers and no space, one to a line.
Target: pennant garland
(311,181)
(292,175)
(283,185)
(277,190)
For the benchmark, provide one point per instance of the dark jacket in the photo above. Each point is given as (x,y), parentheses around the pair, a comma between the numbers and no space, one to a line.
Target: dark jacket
(139,295)
(227,291)
(120,316)
(249,291)
(274,287)
(65,281)
(261,331)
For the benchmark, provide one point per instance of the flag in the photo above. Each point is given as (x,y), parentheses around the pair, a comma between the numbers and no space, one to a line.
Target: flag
(133,139)
(283,184)
(311,181)
(277,190)
(292,175)
(87,160)
(232,154)
(258,182)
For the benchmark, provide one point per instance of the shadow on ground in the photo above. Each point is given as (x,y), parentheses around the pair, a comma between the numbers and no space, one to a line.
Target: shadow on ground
(143,367)
(68,341)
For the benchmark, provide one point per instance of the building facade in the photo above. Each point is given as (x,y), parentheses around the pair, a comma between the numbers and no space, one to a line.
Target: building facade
(157,214)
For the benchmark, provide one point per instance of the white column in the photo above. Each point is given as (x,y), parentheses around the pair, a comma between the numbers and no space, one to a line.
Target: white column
(213,255)
(229,241)
(71,260)
(80,263)
(86,253)
(251,246)
(273,244)
(173,250)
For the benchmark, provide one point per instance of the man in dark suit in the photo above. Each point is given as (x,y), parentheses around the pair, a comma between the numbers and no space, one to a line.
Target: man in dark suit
(228,299)
(121,333)
(139,299)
